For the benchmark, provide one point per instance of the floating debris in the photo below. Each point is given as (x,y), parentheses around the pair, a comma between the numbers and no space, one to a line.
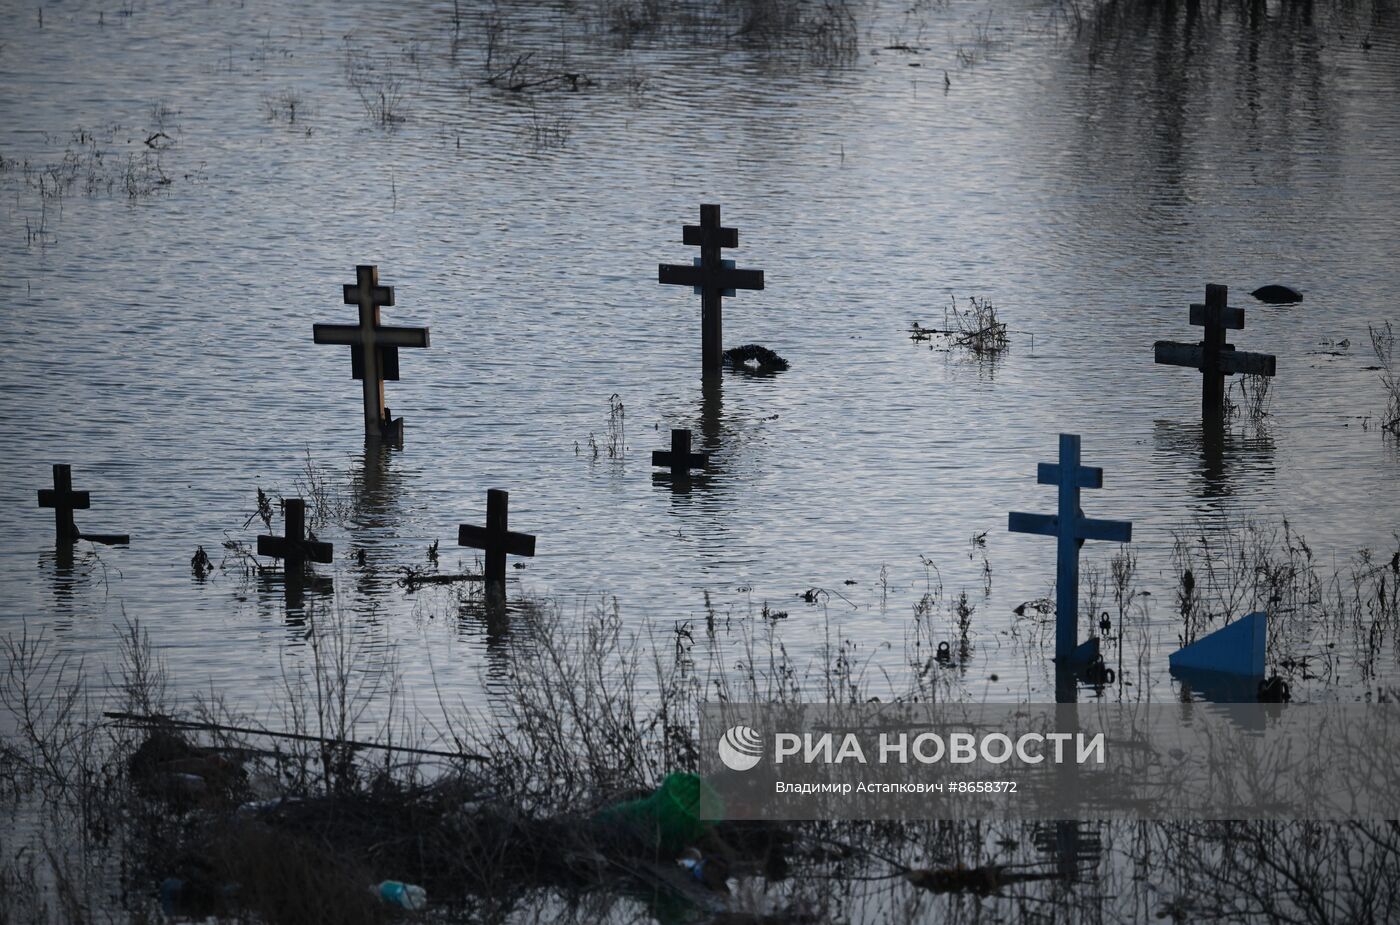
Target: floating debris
(976,328)
(754,358)
(1277,295)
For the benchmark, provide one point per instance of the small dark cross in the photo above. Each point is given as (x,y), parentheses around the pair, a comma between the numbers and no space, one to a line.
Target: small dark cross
(712,278)
(1070,527)
(679,460)
(496,537)
(374,349)
(64,501)
(1215,358)
(294,548)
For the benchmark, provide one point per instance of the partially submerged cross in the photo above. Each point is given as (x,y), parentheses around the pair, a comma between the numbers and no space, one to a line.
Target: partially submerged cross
(680,460)
(712,278)
(294,548)
(64,501)
(374,349)
(1215,358)
(1070,528)
(496,538)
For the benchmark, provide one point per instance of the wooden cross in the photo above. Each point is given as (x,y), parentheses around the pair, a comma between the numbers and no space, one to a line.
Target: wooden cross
(1213,356)
(680,460)
(712,278)
(64,501)
(496,537)
(1070,527)
(374,349)
(294,548)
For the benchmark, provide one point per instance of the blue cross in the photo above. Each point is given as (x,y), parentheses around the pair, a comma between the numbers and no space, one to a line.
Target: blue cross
(1071,528)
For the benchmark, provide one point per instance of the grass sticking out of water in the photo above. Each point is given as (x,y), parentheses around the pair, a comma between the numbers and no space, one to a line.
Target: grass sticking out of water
(1383,345)
(590,710)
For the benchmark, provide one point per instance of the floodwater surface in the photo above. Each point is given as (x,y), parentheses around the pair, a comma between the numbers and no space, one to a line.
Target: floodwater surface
(187,187)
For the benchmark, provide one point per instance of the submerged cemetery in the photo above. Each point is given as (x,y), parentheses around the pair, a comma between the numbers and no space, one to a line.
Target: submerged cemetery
(992,290)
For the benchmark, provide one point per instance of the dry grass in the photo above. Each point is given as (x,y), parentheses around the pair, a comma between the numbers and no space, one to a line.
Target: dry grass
(1319,611)
(592,709)
(1249,396)
(382,85)
(976,328)
(1383,345)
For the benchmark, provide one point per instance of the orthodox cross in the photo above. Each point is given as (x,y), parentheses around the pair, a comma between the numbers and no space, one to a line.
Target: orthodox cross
(712,278)
(374,348)
(1070,528)
(1215,358)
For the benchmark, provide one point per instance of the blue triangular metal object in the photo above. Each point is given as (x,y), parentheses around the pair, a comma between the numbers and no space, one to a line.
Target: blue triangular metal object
(1234,649)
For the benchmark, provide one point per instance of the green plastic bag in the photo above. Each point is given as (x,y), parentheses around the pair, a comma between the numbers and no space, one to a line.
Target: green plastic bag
(669,819)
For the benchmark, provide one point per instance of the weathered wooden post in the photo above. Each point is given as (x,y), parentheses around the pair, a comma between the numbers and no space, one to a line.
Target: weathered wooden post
(496,537)
(1070,528)
(1215,358)
(712,278)
(680,460)
(374,349)
(64,501)
(294,549)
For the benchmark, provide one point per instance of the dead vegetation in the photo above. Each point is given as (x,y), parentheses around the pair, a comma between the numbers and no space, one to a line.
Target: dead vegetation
(106,161)
(975,328)
(288,817)
(114,160)
(1249,396)
(287,106)
(381,82)
(1383,346)
(1325,619)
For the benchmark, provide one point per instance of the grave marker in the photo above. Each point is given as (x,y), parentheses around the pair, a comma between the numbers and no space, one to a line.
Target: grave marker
(1071,528)
(496,537)
(1215,358)
(374,348)
(64,501)
(680,460)
(712,278)
(1236,648)
(294,548)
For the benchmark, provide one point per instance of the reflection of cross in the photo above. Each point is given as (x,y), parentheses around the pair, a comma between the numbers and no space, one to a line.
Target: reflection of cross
(294,548)
(64,500)
(496,537)
(1213,356)
(680,460)
(374,349)
(712,277)
(1070,527)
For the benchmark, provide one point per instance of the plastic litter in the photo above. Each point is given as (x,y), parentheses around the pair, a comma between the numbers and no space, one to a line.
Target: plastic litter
(669,818)
(404,895)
